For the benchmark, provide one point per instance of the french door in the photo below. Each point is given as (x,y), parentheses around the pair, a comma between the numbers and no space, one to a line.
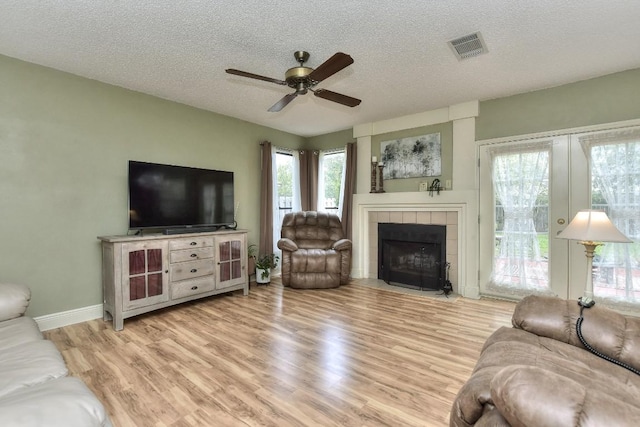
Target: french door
(531,189)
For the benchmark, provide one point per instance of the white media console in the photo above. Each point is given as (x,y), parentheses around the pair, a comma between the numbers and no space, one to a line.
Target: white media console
(146,273)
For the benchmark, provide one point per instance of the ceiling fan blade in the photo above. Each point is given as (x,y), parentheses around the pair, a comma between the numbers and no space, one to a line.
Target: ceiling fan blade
(283,102)
(331,66)
(255,76)
(337,97)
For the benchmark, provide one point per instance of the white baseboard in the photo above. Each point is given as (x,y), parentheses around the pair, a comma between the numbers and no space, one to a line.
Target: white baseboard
(66,318)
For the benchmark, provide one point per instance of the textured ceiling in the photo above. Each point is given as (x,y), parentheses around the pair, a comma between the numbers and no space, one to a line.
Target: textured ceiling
(179,50)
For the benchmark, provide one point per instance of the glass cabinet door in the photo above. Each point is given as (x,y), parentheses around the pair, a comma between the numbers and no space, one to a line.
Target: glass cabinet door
(145,274)
(231,257)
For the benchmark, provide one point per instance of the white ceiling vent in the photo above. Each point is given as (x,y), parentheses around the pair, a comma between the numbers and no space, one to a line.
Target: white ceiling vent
(468,46)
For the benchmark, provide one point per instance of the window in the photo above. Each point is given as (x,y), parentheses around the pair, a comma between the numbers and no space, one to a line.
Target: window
(615,188)
(520,182)
(284,182)
(331,165)
(286,191)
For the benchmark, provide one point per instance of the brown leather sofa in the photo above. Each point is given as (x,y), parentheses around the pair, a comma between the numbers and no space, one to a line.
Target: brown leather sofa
(315,253)
(539,374)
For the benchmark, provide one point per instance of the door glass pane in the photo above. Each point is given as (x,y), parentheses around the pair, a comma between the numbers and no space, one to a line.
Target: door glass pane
(615,188)
(137,288)
(236,269)
(521,191)
(137,262)
(155,259)
(235,249)
(225,272)
(225,251)
(155,284)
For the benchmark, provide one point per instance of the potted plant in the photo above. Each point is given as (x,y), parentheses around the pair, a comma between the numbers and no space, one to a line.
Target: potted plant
(264,265)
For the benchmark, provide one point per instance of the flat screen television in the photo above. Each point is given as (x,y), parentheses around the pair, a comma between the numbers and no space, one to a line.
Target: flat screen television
(173,197)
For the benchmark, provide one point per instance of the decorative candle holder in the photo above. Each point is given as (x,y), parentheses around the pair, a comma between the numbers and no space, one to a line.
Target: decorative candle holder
(374,184)
(380,169)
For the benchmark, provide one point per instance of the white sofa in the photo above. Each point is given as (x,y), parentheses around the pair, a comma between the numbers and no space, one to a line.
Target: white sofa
(34,387)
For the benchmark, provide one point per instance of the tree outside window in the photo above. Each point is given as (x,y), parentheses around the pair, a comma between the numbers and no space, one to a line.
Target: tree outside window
(331,181)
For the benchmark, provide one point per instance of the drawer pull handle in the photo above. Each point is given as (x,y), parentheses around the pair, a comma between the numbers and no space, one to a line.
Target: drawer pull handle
(194,255)
(193,288)
(193,270)
(193,243)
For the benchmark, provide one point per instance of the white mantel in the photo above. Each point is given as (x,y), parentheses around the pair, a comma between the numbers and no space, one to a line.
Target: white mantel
(463,203)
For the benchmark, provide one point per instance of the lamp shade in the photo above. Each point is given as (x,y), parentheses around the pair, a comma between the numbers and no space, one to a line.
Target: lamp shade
(592,226)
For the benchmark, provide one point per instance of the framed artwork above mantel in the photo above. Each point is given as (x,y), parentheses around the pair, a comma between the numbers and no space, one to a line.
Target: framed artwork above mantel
(412,157)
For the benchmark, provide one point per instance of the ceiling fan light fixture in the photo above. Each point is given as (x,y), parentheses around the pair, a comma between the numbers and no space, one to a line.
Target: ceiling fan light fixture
(304,79)
(296,74)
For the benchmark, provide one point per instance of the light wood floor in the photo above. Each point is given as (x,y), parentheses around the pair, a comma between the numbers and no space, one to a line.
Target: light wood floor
(352,356)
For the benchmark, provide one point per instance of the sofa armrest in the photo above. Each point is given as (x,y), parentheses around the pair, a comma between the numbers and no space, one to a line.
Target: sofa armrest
(14,300)
(287,245)
(608,331)
(532,396)
(342,245)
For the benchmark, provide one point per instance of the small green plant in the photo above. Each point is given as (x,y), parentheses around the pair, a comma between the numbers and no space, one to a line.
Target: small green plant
(267,262)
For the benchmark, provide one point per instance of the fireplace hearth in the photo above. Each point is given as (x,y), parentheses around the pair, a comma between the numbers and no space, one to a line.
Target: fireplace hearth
(412,255)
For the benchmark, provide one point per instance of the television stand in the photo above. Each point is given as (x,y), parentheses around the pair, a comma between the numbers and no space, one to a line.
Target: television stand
(146,273)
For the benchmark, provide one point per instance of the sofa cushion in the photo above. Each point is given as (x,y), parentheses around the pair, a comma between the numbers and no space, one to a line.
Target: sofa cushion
(14,300)
(64,402)
(29,364)
(514,347)
(18,331)
(531,396)
(609,332)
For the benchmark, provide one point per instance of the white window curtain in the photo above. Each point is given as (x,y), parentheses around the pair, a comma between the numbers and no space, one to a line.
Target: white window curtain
(289,159)
(614,159)
(328,201)
(519,175)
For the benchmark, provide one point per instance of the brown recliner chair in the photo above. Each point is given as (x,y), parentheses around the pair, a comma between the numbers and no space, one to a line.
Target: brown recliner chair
(315,253)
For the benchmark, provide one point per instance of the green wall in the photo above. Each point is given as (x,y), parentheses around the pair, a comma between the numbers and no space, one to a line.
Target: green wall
(64,146)
(413,184)
(611,98)
(331,140)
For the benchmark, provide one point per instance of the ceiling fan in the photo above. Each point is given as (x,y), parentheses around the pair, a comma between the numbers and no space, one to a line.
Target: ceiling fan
(304,79)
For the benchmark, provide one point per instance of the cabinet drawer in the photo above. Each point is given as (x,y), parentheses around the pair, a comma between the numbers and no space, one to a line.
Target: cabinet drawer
(191,254)
(192,287)
(191,269)
(190,243)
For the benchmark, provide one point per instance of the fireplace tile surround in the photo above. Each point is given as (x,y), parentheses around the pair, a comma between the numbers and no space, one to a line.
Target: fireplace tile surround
(446,218)
(457,210)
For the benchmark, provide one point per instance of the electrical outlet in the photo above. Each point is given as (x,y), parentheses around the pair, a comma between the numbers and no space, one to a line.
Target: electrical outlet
(447,184)
(423,186)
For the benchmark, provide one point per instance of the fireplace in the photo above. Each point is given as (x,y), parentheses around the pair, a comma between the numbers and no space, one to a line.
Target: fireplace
(412,255)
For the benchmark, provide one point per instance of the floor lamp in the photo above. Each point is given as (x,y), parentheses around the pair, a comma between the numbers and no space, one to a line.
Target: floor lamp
(591,228)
